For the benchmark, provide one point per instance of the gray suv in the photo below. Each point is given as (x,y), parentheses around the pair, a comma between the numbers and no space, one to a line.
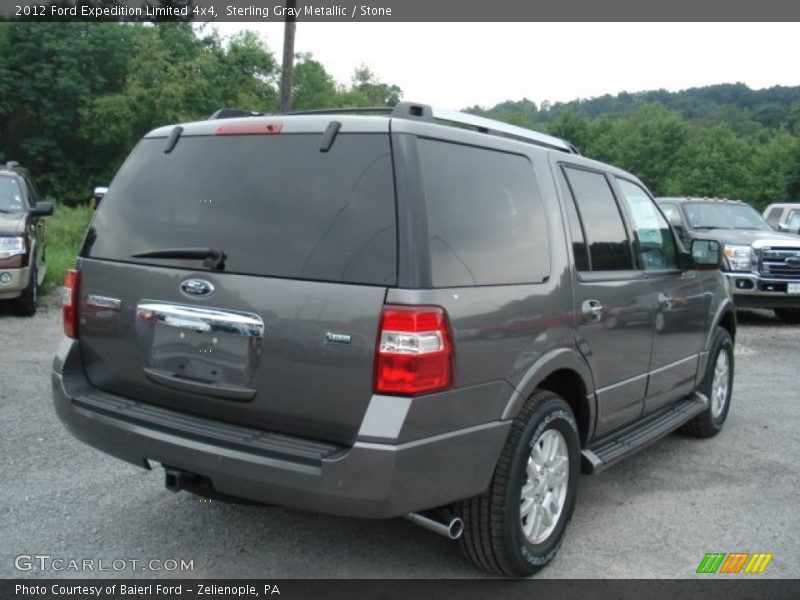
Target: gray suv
(383,315)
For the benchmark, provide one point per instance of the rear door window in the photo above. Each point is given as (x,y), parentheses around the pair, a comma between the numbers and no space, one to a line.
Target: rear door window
(485,215)
(275,205)
(601,221)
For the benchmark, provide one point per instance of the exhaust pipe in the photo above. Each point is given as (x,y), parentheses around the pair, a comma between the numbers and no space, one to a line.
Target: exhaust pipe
(439,521)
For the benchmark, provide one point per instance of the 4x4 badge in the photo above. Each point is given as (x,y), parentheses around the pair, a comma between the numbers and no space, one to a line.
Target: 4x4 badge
(197,287)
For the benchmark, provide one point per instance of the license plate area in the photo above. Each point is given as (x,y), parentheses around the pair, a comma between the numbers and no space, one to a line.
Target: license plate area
(212,346)
(793,288)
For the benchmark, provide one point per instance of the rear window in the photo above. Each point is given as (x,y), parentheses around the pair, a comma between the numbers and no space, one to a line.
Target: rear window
(486,221)
(275,205)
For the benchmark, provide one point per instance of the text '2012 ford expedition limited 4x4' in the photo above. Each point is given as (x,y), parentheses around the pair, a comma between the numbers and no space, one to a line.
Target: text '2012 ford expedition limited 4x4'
(383,315)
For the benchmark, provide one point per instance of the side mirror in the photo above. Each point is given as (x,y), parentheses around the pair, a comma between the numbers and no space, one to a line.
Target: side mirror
(781,227)
(42,209)
(706,255)
(97,195)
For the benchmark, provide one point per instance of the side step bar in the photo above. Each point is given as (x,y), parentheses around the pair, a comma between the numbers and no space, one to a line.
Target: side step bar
(610,450)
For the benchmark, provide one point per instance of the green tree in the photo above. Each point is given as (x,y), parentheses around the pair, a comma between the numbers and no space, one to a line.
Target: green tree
(48,73)
(574,127)
(714,162)
(367,90)
(313,87)
(246,73)
(775,169)
(645,143)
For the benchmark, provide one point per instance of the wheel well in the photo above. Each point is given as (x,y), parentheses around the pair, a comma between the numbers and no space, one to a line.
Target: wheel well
(569,385)
(728,321)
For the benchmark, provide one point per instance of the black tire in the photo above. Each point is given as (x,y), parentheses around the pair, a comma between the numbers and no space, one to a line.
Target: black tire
(707,424)
(788,315)
(493,537)
(25,304)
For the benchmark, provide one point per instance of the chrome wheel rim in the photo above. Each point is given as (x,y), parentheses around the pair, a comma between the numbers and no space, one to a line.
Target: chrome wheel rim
(719,386)
(544,492)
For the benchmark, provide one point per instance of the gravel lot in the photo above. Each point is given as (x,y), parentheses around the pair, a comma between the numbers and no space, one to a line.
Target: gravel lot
(654,515)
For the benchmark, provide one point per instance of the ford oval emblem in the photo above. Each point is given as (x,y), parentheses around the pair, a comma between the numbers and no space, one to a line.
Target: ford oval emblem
(197,287)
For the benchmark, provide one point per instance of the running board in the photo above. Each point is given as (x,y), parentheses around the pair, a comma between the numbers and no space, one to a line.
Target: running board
(610,450)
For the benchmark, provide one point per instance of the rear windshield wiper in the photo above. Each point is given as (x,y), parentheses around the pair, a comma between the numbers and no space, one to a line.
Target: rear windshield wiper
(213,258)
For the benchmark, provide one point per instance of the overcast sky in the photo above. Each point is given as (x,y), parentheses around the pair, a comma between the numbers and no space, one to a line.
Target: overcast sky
(456,65)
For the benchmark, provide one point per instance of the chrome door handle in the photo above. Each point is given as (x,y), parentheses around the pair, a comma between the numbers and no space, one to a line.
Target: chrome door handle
(592,311)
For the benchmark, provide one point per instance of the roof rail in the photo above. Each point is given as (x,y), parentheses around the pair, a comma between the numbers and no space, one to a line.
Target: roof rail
(424,112)
(481,124)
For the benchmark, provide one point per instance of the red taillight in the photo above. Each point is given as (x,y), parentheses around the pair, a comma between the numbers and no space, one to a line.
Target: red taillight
(69,302)
(415,352)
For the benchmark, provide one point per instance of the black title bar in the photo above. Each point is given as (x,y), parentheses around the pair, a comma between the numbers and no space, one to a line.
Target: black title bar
(405,11)
(709,588)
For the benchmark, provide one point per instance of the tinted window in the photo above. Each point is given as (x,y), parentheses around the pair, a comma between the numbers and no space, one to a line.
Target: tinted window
(609,248)
(654,241)
(275,205)
(486,221)
(579,249)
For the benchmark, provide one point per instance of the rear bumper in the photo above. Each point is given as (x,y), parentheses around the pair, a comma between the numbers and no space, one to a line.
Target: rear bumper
(374,480)
(18,282)
(754,291)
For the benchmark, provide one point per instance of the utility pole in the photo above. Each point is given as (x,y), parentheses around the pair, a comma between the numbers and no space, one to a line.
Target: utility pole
(288,57)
